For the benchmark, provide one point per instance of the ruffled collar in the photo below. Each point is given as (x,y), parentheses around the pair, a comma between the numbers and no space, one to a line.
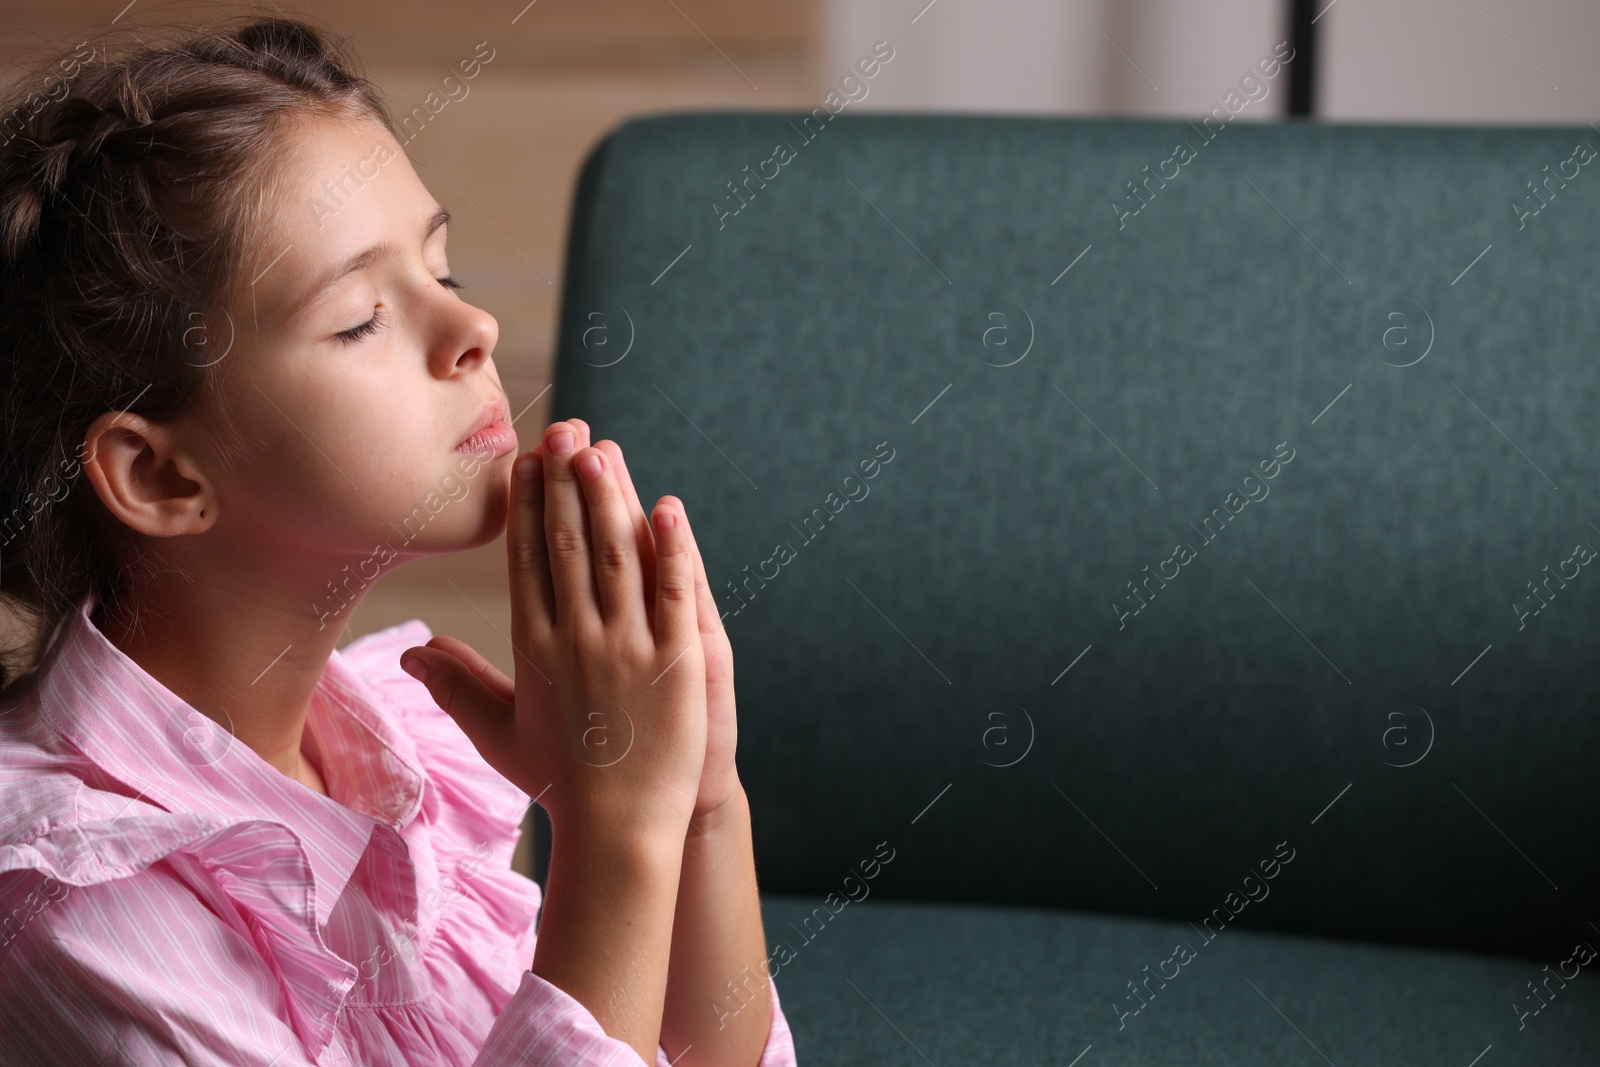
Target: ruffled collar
(168,753)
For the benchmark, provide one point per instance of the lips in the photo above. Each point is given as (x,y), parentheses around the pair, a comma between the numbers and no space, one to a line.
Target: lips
(495,411)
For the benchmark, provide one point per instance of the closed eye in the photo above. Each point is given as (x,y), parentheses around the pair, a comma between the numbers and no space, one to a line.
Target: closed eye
(356,333)
(378,321)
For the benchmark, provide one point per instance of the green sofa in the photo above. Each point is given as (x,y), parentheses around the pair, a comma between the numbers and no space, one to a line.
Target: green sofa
(1159,578)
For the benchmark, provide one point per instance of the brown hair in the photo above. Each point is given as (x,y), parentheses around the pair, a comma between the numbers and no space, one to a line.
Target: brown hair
(132,179)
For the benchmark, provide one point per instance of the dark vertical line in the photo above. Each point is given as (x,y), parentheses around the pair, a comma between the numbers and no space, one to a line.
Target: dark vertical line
(541,853)
(1303,67)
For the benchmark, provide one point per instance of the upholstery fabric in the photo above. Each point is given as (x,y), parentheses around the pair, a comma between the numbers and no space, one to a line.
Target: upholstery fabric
(1089,547)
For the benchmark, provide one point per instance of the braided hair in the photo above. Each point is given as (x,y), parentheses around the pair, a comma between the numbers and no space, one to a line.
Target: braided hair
(129,191)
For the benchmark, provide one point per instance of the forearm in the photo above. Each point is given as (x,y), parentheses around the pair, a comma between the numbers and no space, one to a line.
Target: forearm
(605,931)
(718,1007)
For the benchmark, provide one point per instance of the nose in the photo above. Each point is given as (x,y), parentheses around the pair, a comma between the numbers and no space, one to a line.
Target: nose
(465,339)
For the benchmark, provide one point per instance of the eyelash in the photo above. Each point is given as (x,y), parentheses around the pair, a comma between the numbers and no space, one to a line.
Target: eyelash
(378,321)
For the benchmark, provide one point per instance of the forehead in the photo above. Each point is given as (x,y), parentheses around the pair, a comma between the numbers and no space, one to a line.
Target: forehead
(337,186)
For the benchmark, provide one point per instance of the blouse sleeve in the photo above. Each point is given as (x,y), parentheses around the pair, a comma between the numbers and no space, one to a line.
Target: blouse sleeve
(779,1050)
(542,1023)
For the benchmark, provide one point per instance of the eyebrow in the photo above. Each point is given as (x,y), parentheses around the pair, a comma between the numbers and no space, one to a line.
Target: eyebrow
(362,260)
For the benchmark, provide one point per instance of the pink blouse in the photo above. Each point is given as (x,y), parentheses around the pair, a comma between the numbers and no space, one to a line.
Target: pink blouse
(167,897)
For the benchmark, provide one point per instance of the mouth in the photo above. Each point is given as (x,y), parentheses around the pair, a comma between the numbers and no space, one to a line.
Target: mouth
(491,433)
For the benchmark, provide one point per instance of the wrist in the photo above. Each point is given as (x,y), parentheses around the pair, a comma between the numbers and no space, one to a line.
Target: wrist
(731,813)
(624,835)
(624,869)
(658,813)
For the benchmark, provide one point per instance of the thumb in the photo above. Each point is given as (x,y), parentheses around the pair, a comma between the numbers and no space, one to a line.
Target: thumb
(464,685)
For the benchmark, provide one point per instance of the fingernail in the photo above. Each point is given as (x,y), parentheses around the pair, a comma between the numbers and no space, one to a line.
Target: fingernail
(526,468)
(589,467)
(414,667)
(665,520)
(561,442)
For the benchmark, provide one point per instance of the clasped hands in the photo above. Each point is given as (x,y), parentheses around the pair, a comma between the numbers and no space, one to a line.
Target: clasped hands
(589,589)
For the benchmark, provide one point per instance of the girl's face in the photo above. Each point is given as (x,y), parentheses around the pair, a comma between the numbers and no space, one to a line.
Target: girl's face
(355,368)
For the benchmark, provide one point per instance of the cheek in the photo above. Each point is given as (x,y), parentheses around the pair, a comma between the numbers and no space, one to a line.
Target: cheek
(349,450)
(366,459)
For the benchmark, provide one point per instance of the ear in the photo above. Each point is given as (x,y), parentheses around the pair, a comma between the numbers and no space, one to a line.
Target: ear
(145,478)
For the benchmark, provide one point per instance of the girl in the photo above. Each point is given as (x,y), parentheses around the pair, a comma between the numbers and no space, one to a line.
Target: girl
(237,385)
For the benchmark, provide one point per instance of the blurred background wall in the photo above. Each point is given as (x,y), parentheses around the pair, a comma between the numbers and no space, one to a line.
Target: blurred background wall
(1499,61)
(504,157)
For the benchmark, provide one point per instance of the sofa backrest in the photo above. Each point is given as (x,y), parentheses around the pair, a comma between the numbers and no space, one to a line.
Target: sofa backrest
(1152,517)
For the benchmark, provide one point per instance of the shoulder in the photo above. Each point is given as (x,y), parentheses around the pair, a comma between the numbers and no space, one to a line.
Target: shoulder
(171,906)
(58,825)
(143,970)
(67,823)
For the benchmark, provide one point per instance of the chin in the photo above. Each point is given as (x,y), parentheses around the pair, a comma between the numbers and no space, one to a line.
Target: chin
(494,513)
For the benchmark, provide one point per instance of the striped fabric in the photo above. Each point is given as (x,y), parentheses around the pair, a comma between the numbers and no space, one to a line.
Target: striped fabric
(168,897)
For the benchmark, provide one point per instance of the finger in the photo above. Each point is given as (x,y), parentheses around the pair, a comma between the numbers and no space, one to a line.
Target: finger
(582,430)
(614,547)
(533,602)
(566,528)
(484,715)
(641,525)
(637,513)
(708,615)
(639,517)
(674,592)
(480,668)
